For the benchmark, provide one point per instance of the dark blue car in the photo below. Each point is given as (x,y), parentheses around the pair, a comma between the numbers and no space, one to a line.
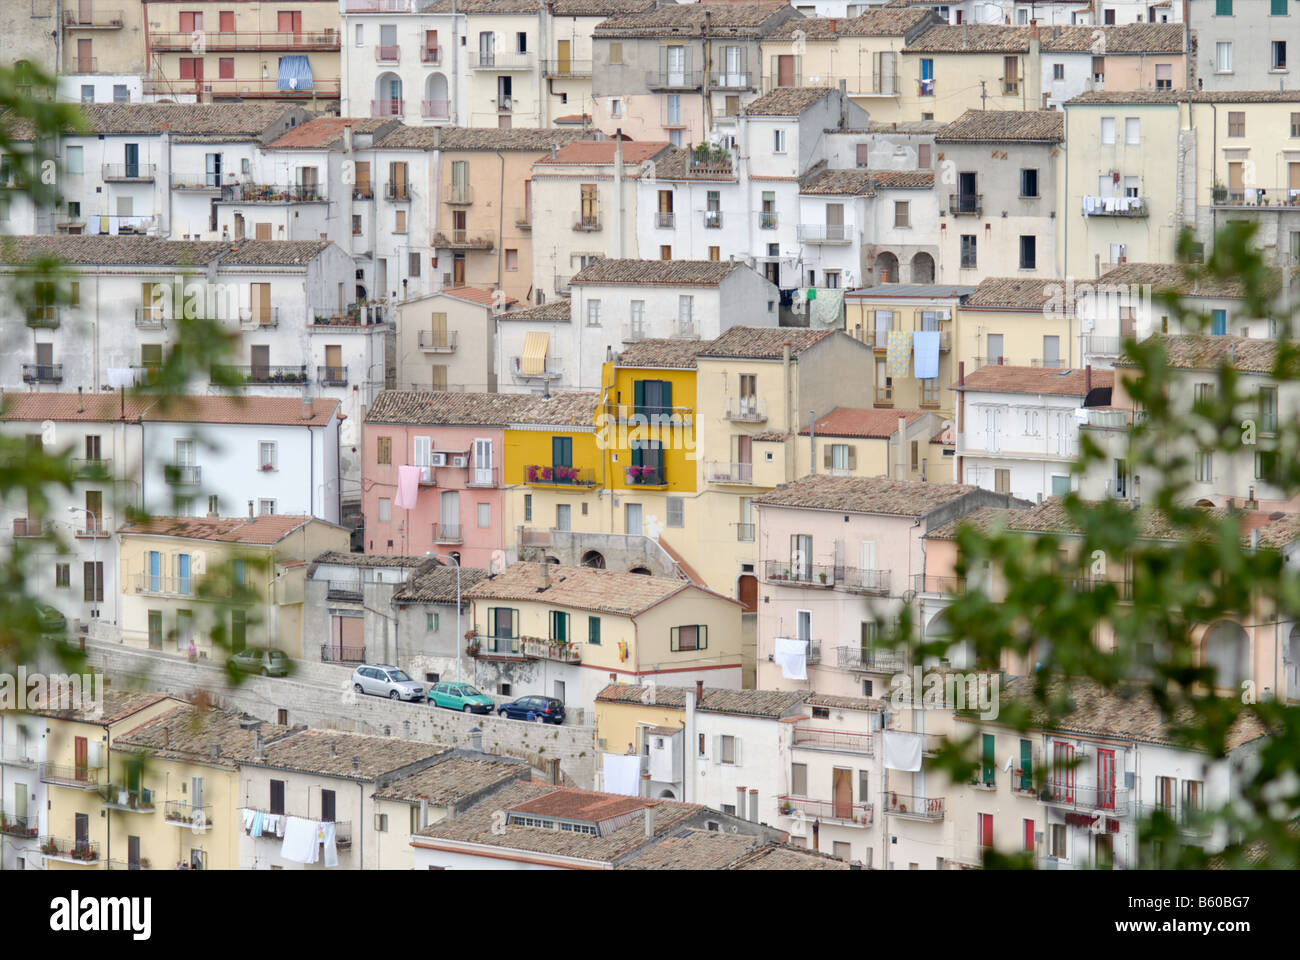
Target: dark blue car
(534,710)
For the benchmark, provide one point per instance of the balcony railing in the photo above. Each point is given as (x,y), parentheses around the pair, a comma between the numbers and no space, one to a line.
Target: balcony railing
(48,317)
(966,204)
(18,826)
(566,68)
(868,660)
(346,590)
(674,79)
(1114,207)
(225,41)
(483,477)
(540,474)
(864,581)
(259,319)
(117,797)
(83,64)
(501,61)
(438,341)
(767,220)
(645,476)
(332,376)
(181,814)
(1112,801)
(397,191)
(437,109)
(860,814)
(928,583)
(244,88)
(538,648)
(825,233)
(267,374)
(342,653)
(387,108)
(458,194)
(665,219)
(799,574)
(722,471)
(552,368)
(70,851)
(272,193)
(913,807)
(129,172)
(446,533)
(478,239)
(431,55)
(388,53)
(1103,346)
(161,586)
(587,224)
(28,527)
(632,332)
(839,740)
(83,778)
(148,318)
(186,474)
(712,219)
(1011,86)
(745,410)
(87,17)
(731,80)
(42,373)
(745,532)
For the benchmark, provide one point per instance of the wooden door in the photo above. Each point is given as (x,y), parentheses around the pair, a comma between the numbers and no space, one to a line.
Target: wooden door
(458,270)
(842,793)
(85,53)
(290,21)
(334,363)
(81,753)
(260,360)
(439,331)
(747,592)
(261,303)
(565,57)
(263,231)
(785,70)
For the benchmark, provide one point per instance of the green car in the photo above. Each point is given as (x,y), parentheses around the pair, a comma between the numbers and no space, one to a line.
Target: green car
(269,663)
(460,696)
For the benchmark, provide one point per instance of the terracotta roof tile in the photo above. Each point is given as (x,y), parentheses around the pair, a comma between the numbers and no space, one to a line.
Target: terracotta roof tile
(763,343)
(770,704)
(688,19)
(484,409)
(97,250)
(693,850)
(232,120)
(194,733)
(327,133)
(1177,277)
(455,780)
(785,856)
(555,311)
(787,101)
(1003,378)
(872,23)
(690,273)
(280,411)
(1012,293)
(1190,351)
(661,353)
(92,407)
(1006,125)
(436,583)
(526,139)
(331,753)
(473,294)
(259,531)
(583,588)
(904,498)
(117,705)
(862,422)
(599,152)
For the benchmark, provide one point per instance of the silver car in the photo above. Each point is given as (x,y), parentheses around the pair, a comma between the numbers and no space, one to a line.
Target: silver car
(385,681)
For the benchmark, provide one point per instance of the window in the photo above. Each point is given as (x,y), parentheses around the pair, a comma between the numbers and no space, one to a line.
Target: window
(593,313)
(1223,57)
(87,93)
(1193,798)
(528,508)
(588,213)
(985,825)
(616,53)
(778,141)
(399,221)
(1268,411)
(120,93)
(715,254)
(559,626)
(484,511)
(1204,466)
(1028,253)
(361,35)
(277,796)
(1056,844)
(385,510)
(1166,794)
(1058,71)
(1295,124)
(1132,130)
(900,214)
(1236,123)
(265,508)
(563,515)
(728,750)
(1001,481)
(512,261)
(1107,130)
(968,260)
(384,450)
(689,638)
(799,779)
(988,762)
(665,251)
(923,156)
(1277,8)
(1164,76)
(1279,55)
(63,574)
(676,511)
(884,382)
(73,160)
(266,455)
(1029,183)
(1223,8)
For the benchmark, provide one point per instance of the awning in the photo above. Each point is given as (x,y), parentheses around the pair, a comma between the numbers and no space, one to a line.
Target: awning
(295,74)
(533,360)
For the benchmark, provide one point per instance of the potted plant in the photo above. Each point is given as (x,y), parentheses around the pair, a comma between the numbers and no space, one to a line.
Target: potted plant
(532,473)
(1220,192)
(822,575)
(268,467)
(548,473)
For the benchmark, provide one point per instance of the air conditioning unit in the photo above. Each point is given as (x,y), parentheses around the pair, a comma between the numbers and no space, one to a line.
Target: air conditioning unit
(438,460)
(461,461)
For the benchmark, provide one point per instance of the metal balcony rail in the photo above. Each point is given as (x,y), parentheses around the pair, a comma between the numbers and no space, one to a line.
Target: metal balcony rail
(864,581)
(918,808)
(1010,86)
(477,239)
(218,41)
(387,108)
(721,471)
(181,814)
(28,527)
(713,219)
(674,79)
(342,653)
(483,477)
(833,740)
(633,332)
(813,654)
(85,15)
(745,532)
(1103,345)
(868,660)
(1111,800)
(825,233)
(46,317)
(587,224)
(332,376)
(799,574)
(966,204)
(843,811)
(431,55)
(745,410)
(567,68)
(42,373)
(84,778)
(18,826)
(552,367)
(665,219)
(388,53)
(767,220)
(731,79)
(129,171)
(347,590)
(1115,207)
(500,61)
(458,193)
(74,851)
(397,191)
(561,475)
(272,193)
(438,341)
(446,533)
(183,473)
(266,373)
(440,109)
(115,796)
(149,318)
(251,319)
(175,586)
(928,583)
(537,648)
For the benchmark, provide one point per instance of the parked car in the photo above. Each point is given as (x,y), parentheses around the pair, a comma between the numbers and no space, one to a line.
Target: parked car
(53,623)
(534,710)
(269,663)
(381,680)
(460,696)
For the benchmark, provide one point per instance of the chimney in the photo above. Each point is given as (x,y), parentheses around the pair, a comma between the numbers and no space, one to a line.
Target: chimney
(650,822)
(347,137)
(546,573)
(835,23)
(306,407)
(334,749)
(81,407)
(250,509)
(699,691)
(356,766)
(740,803)
(476,739)
(553,771)
(652,691)
(644,786)
(424,811)
(753,805)
(259,748)
(1087,382)
(167,736)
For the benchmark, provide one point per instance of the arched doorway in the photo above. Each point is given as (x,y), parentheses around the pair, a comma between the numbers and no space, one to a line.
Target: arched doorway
(641,570)
(747,592)
(923,268)
(388,96)
(667,795)
(436,105)
(1227,650)
(886,267)
(593,558)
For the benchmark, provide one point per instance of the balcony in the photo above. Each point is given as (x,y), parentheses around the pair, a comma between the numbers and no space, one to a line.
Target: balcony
(183,474)
(144,863)
(835,811)
(438,341)
(342,653)
(525,648)
(925,87)
(914,808)
(745,410)
(479,239)
(265,374)
(1112,801)
(28,527)
(839,741)
(1262,197)
(717,162)
(20,754)
(632,332)
(541,475)
(397,191)
(799,575)
(42,373)
(381,6)
(674,79)
(259,319)
(501,61)
(712,219)
(240,88)
(1103,346)
(148,318)
(387,108)
(722,471)
(88,17)
(1010,86)
(47,317)
(385,53)
(665,219)
(247,41)
(272,193)
(435,109)
(160,586)
(347,591)
(25,827)
(1115,207)
(867,660)
(814,652)
(566,69)
(855,580)
(587,224)
(645,476)
(129,172)
(117,797)
(486,477)
(731,80)
(880,85)
(78,777)
(924,583)
(458,194)
(552,369)
(332,376)
(181,814)
(446,533)
(81,852)
(767,220)
(89,531)
(966,204)
(826,233)
(745,532)
(432,56)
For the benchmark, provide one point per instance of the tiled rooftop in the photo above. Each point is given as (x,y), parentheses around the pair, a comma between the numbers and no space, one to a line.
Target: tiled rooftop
(661,353)
(1135,38)
(454,780)
(98,250)
(688,20)
(601,152)
(1006,125)
(686,273)
(331,753)
(904,498)
(526,139)
(862,422)
(583,588)
(117,705)
(769,704)
(553,311)
(233,120)
(1173,276)
(763,343)
(872,23)
(787,101)
(261,530)
(1003,378)
(327,133)
(1191,351)
(436,583)
(192,733)
(1013,293)
(420,407)
(278,411)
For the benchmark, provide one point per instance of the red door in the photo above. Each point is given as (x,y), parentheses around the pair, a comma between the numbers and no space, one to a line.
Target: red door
(82,757)
(785,70)
(986,830)
(748,592)
(1063,772)
(1106,779)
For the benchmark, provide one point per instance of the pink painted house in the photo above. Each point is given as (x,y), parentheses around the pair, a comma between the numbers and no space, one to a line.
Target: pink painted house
(458,441)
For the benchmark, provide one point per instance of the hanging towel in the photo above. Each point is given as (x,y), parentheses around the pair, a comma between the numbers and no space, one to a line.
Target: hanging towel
(331,845)
(119,377)
(792,656)
(257,824)
(902,750)
(900,345)
(246,816)
(279,827)
(408,486)
(925,354)
(300,843)
(622,774)
(827,310)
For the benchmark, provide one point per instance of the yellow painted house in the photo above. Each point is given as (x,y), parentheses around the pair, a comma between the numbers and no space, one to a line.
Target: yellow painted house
(94,807)
(188,759)
(1017,321)
(553,469)
(188,579)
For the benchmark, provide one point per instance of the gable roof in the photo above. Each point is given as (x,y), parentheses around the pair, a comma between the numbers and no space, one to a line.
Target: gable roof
(110,407)
(437,583)
(1012,293)
(877,22)
(763,343)
(526,139)
(332,753)
(904,498)
(1004,378)
(117,705)
(1045,126)
(1179,278)
(655,352)
(327,133)
(690,19)
(238,120)
(262,530)
(685,273)
(583,588)
(601,152)
(865,182)
(454,779)
(862,422)
(200,734)
(421,407)
(554,311)
(787,101)
(1192,351)
(102,250)
(769,704)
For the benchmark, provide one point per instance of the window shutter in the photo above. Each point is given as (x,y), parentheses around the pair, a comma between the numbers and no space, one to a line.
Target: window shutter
(735,749)
(827,462)
(674,641)
(702,637)
(717,749)
(853,456)
(638,392)
(666,394)
(514,623)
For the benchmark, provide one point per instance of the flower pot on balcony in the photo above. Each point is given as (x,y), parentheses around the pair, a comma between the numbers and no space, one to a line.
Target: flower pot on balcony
(823,577)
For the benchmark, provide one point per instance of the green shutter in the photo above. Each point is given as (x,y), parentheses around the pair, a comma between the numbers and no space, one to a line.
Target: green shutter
(990,771)
(1026,765)
(593,630)
(1223,8)
(1278,8)
(638,394)
(666,395)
